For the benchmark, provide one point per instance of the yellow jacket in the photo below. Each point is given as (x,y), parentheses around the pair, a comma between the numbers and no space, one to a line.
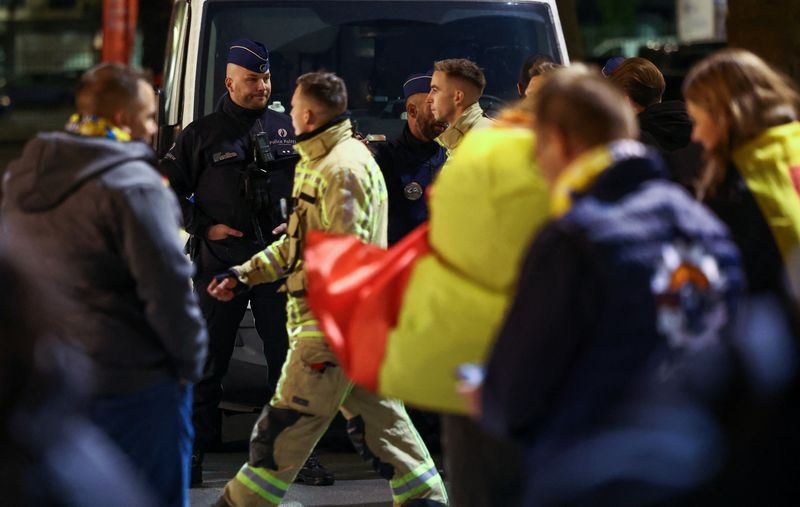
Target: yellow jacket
(338,188)
(484,211)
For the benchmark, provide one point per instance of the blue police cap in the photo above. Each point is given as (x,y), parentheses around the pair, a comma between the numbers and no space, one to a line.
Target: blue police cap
(417,83)
(612,64)
(249,54)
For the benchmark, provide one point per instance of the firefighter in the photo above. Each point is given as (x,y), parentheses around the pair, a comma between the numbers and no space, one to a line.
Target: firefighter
(338,188)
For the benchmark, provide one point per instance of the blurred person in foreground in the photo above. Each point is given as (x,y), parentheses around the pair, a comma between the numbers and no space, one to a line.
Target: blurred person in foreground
(745,115)
(629,282)
(50,453)
(338,188)
(403,320)
(100,226)
(662,125)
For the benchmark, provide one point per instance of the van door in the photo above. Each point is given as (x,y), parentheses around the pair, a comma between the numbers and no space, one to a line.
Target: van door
(171,95)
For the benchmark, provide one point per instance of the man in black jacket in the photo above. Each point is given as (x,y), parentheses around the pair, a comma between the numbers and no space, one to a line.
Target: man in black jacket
(90,212)
(232,171)
(410,162)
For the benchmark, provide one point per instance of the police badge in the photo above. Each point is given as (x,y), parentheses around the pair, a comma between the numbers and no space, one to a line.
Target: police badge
(413,191)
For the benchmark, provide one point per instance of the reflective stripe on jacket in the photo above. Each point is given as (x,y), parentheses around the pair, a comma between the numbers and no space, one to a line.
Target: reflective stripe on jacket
(338,188)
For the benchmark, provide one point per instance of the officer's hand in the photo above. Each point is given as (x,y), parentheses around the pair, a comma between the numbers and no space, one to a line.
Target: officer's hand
(280,229)
(360,137)
(222,231)
(222,289)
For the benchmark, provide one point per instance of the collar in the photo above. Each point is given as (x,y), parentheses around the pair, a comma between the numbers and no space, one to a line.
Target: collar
(95,126)
(582,173)
(452,137)
(240,113)
(319,142)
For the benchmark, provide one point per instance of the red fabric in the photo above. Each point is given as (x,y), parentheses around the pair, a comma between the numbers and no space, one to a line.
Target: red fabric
(356,290)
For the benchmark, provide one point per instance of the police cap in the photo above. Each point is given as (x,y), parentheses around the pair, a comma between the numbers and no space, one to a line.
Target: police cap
(249,54)
(417,83)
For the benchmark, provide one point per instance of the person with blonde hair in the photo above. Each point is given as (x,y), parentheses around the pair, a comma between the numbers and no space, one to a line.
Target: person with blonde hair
(745,115)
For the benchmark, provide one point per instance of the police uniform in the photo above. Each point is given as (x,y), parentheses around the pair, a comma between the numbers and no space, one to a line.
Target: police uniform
(208,167)
(409,166)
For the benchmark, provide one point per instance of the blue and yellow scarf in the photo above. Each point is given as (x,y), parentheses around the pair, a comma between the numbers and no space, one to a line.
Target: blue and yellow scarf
(95,126)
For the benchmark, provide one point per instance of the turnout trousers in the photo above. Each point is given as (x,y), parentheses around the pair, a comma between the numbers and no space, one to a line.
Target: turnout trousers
(312,388)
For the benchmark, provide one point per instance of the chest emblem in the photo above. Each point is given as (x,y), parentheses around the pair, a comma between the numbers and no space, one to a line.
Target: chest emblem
(282,133)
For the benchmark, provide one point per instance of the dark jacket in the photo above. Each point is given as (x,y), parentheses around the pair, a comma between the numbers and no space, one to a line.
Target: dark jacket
(580,360)
(736,206)
(666,126)
(409,167)
(102,230)
(206,167)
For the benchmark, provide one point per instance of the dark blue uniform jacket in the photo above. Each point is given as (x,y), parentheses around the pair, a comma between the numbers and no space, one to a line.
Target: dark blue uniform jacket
(404,162)
(206,169)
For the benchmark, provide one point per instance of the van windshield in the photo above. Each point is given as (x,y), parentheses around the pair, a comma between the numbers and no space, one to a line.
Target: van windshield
(374,46)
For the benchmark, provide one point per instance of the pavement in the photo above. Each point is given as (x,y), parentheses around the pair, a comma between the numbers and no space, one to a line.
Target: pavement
(356,483)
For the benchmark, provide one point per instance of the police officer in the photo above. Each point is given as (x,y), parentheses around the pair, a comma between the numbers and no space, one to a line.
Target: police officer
(233,172)
(410,162)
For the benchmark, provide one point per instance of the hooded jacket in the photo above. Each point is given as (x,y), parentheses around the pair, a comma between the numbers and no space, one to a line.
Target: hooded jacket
(103,232)
(667,127)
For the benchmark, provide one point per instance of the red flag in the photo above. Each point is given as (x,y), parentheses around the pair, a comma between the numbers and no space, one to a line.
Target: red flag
(356,290)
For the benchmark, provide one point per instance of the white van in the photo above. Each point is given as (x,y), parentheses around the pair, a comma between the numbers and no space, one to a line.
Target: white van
(373,45)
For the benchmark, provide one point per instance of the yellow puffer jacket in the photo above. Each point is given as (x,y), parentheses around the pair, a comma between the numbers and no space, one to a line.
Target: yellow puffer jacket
(485,208)
(338,188)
